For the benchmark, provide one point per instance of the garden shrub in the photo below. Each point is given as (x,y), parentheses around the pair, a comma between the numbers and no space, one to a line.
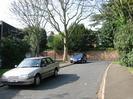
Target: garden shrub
(124,44)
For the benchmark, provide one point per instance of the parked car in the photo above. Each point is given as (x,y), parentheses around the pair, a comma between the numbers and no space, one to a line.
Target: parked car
(31,71)
(78,58)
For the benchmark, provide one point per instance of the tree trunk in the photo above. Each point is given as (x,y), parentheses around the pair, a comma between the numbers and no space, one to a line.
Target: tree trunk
(65,54)
(37,50)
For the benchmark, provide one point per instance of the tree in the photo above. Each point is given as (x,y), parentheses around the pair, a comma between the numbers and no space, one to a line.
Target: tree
(27,13)
(106,35)
(37,39)
(113,14)
(55,42)
(81,39)
(105,17)
(61,13)
(50,43)
(58,42)
(117,18)
(124,44)
(43,41)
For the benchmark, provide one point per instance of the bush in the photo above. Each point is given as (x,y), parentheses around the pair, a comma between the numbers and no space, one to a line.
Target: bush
(12,51)
(127,59)
(130,58)
(124,44)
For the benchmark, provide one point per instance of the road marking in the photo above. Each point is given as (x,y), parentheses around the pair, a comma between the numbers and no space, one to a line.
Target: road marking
(102,89)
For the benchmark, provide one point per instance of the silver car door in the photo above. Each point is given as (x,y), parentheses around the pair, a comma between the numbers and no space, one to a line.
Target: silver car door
(44,68)
(50,65)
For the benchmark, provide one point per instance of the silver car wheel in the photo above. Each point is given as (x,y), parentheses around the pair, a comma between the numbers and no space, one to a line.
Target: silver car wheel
(55,72)
(37,80)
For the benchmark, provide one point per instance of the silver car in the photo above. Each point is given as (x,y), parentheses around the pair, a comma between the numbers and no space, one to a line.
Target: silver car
(31,71)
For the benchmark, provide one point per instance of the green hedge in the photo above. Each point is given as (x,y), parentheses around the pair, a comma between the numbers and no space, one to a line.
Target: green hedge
(12,51)
(124,44)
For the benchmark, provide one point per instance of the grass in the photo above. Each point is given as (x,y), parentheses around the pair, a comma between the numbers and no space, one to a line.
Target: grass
(130,69)
(116,62)
(3,71)
(60,61)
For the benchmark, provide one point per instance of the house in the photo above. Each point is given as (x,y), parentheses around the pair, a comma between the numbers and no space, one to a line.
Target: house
(8,30)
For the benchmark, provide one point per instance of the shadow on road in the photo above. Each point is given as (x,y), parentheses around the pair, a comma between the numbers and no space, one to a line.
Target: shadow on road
(7,93)
(60,80)
(87,62)
(48,83)
(84,63)
(51,82)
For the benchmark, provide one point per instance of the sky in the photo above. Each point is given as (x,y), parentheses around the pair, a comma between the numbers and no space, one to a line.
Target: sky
(7,16)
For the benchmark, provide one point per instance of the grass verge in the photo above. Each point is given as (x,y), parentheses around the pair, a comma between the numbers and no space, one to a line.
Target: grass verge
(60,61)
(116,62)
(130,69)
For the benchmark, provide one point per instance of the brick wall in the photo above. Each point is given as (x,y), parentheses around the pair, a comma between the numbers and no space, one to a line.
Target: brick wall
(102,55)
(53,54)
(91,55)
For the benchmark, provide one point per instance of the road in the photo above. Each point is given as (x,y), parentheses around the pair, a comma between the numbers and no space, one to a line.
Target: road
(78,81)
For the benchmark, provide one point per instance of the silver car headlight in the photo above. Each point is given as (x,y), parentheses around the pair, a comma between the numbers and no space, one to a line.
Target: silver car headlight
(25,76)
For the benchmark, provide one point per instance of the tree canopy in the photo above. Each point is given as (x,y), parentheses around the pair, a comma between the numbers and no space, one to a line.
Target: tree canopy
(80,38)
(58,13)
(116,17)
(37,39)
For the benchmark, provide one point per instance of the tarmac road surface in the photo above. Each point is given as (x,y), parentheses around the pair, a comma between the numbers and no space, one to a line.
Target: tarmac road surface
(78,81)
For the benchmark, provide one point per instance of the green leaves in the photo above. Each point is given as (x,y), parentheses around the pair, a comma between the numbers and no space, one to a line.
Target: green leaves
(124,43)
(80,39)
(13,51)
(55,42)
(37,39)
(117,28)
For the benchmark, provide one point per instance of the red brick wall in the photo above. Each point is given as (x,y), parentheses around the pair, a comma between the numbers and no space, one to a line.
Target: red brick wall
(91,55)
(102,55)
(53,54)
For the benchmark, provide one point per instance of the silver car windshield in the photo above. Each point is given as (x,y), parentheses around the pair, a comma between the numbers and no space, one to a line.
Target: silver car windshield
(30,63)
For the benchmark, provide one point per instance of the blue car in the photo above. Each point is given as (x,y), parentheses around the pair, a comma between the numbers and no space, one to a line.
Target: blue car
(78,58)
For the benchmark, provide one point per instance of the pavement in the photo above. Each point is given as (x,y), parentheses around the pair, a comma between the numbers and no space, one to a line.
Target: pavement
(119,83)
(65,64)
